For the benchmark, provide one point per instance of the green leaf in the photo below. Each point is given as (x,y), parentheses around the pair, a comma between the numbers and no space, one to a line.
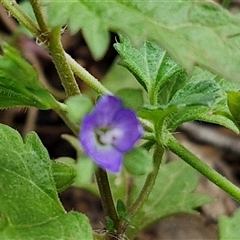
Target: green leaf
(122,210)
(182,28)
(196,93)
(85,170)
(229,227)
(77,107)
(29,204)
(138,162)
(234,105)
(109,224)
(63,175)
(201,113)
(172,193)
(151,66)
(19,85)
(78,16)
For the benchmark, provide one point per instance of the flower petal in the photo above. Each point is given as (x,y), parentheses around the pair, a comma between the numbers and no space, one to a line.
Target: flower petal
(127,122)
(108,158)
(106,109)
(87,135)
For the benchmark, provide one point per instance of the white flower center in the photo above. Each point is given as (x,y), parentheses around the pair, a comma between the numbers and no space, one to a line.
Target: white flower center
(108,136)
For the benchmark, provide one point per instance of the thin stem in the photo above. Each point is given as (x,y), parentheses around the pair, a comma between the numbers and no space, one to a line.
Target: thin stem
(58,55)
(22,18)
(149,183)
(72,125)
(39,15)
(86,77)
(203,168)
(106,197)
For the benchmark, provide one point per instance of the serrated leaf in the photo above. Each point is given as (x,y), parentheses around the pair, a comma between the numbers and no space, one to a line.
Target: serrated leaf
(29,204)
(151,66)
(78,16)
(229,227)
(201,113)
(182,28)
(196,93)
(19,85)
(172,193)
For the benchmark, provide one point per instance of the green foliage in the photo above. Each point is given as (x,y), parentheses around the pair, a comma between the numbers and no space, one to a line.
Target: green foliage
(233,104)
(30,208)
(194,33)
(19,85)
(85,170)
(172,193)
(177,97)
(138,162)
(63,175)
(122,210)
(77,107)
(229,227)
(151,66)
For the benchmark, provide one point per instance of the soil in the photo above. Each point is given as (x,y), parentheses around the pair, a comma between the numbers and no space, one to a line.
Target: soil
(224,157)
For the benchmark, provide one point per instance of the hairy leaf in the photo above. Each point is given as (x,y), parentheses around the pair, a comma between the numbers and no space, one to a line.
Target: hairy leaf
(29,204)
(19,85)
(151,66)
(194,33)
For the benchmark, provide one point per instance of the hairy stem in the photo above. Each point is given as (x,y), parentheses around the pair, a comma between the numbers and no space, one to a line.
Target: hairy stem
(61,63)
(22,18)
(86,77)
(106,197)
(39,16)
(149,183)
(203,168)
(72,125)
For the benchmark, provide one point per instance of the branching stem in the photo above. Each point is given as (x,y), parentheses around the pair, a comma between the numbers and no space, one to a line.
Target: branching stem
(39,16)
(86,77)
(22,18)
(61,63)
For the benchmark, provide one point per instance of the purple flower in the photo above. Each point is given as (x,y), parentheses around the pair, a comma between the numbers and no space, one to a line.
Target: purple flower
(108,132)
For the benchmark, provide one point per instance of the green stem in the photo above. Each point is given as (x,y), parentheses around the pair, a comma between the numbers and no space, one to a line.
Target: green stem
(149,183)
(86,77)
(72,125)
(39,16)
(22,18)
(106,197)
(58,55)
(203,168)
